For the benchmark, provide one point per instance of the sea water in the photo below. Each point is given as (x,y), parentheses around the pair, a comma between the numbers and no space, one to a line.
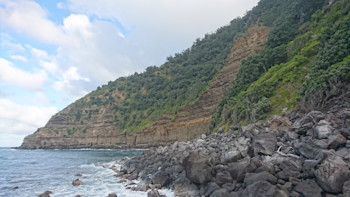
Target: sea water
(32,172)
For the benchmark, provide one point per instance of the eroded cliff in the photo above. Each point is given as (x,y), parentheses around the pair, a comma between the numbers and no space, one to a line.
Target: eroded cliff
(67,130)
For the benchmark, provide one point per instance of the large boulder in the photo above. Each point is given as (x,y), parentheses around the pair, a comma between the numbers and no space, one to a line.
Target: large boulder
(45,194)
(232,156)
(265,143)
(346,189)
(223,177)
(308,188)
(336,141)
(259,189)
(153,193)
(198,168)
(77,182)
(251,178)
(332,174)
(210,188)
(307,149)
(221,193)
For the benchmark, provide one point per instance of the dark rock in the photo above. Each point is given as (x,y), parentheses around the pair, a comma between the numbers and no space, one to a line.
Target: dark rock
(78,175)
(198,168)
(345,132)
(332,174)
(308,188)
(259,189)
(153,193)
(132,176)
(14,188)
(223,177)
(346,189)
(336,141)
(322,132)
(210,188)
(142,186)
(221,193)
(265,143)
(268,167)
(344,152)
(112,195)
(232,156)
(306,149)
(78,196)
(287,186)
(45,194)
(229,186)
(122,181)
(279,193)
(184,188)
(161,178)
(240,168)
(77,182)
(251,178)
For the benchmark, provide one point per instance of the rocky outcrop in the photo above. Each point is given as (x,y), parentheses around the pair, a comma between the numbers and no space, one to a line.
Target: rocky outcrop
(298,162)
(66,130)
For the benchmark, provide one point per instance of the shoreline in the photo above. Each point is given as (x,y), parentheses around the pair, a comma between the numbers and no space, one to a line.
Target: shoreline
(298,155)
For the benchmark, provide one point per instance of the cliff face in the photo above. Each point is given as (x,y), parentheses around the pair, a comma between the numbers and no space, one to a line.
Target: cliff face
(64,131)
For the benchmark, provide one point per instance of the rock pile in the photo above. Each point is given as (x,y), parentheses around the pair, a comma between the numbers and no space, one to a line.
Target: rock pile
(299,155)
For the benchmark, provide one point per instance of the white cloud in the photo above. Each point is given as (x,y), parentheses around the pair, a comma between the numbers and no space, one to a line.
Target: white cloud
(19,57)
(14,76)
(22,119)
(38,53)
(28,17)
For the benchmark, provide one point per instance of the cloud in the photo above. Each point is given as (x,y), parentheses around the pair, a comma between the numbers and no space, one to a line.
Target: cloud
(22,119)
(29,17)
(19,57)
(13,76)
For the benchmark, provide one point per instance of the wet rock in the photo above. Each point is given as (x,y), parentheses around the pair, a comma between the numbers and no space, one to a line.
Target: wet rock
(308,188)
(221,193)
(142,186)
(45,194)
(259,189)
(251,178)
(14,188)
(112,195)
(265,143)
(198,168)
(153,193)
(161,178)
(332,174)
(77,182)
(78,174)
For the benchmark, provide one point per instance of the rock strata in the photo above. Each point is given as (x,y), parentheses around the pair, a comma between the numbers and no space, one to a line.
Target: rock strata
(307,157)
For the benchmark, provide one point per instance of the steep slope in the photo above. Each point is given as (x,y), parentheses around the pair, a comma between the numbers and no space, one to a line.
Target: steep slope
(189,121)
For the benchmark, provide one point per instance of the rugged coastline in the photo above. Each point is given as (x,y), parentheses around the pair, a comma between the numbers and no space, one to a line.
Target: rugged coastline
(292,155)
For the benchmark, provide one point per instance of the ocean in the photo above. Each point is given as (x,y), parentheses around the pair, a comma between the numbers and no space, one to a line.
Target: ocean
(32,172)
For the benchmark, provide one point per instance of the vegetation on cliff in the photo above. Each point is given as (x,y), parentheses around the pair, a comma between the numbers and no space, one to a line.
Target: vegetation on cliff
(311,68)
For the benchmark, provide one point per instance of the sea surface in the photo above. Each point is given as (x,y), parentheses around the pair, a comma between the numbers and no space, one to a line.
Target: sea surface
(36,171)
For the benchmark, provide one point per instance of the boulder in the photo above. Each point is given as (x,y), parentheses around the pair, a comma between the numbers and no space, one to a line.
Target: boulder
(346,189)
(184,188)
(232,156)
(251,178)
(223,177)
(240,168)
(229,186)
(77,182)
(332,174)
(161,178)
(323,131)
(221,193)
(259,189)
(265,143)
(112,195)
(336,141)
(210,188)
(308,188)
(45,194)
(153,193)
(198,168)
(307,149)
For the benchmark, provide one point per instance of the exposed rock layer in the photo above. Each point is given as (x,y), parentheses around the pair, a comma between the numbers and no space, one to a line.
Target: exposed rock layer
(190,121)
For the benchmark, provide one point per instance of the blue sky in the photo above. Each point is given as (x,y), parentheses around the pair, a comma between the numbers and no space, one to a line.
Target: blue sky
(53,52)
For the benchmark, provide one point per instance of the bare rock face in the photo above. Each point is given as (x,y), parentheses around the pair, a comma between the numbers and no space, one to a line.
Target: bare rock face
(198,168)
(332,174)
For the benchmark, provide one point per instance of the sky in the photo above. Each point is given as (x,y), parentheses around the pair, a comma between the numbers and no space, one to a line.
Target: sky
(53,52)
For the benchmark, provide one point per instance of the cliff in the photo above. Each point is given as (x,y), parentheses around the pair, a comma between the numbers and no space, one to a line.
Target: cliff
(190,120)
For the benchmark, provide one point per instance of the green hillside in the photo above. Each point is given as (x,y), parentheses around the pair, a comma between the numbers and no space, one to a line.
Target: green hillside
(306,71)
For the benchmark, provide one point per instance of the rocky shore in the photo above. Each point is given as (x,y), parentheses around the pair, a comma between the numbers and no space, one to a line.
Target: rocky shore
(293,155)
